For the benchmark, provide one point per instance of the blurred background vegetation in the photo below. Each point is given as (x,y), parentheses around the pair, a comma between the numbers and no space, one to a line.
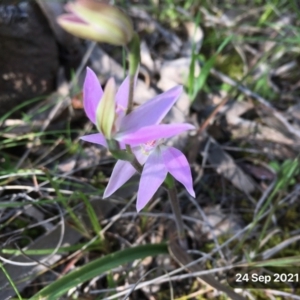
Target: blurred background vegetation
(239,64)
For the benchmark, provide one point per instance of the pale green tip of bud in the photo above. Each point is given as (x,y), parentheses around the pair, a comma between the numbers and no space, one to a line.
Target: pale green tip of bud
(105,115)
(97,21)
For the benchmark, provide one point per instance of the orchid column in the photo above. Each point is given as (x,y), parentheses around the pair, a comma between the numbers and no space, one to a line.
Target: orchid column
(134,137)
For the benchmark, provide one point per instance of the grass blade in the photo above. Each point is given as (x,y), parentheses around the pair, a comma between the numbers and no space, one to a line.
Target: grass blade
(97,267)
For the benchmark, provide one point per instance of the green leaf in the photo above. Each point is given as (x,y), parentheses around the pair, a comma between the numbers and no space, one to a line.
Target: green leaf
(97,267)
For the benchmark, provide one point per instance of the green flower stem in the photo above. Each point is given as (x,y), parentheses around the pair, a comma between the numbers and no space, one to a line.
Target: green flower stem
(131,87)
(134,60)
(171,188)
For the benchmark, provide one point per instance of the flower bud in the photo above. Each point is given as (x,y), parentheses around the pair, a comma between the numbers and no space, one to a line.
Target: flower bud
(105,115)
(97,21)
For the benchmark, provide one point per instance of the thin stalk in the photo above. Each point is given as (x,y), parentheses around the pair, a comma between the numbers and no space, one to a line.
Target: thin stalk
(134,60)
(172,192)
(130,96)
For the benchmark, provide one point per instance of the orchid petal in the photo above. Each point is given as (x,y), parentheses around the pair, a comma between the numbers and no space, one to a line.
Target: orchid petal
(96,138)
(122,96)
(151,112)
(154,174)
(92,93)
(151,133)
(121,173)
(178,166)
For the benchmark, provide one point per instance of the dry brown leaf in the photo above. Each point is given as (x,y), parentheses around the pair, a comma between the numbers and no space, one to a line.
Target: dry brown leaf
(224,164)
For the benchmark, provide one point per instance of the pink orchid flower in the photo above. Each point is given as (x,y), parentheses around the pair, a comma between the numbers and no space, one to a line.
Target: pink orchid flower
(158,161)
(137,129)
(140,126)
